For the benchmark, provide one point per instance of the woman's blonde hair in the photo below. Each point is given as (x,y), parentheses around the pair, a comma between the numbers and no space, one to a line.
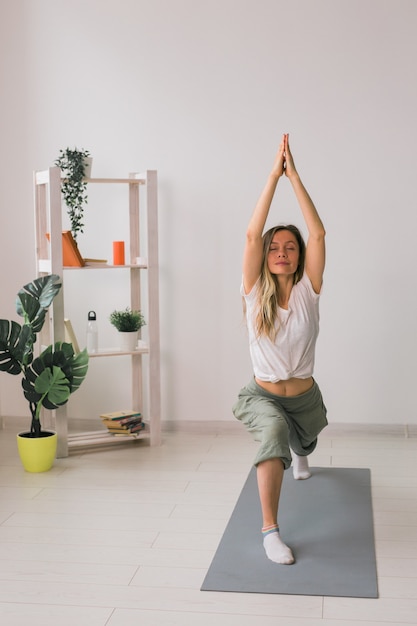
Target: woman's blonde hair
(267,319)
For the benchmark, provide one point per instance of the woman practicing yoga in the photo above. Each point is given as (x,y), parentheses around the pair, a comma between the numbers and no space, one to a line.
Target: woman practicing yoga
(282,405)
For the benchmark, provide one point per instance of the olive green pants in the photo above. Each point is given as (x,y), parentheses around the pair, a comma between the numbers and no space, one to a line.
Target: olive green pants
(281,423)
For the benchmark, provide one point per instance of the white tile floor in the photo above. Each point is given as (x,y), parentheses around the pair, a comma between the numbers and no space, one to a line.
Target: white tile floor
(123,537)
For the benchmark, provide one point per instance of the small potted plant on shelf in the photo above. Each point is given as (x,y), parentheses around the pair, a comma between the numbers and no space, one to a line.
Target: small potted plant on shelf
(128,322)
(49,379)
(76,167)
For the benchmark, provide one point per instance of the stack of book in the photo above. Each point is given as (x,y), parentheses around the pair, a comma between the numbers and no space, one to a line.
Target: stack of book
(123,422)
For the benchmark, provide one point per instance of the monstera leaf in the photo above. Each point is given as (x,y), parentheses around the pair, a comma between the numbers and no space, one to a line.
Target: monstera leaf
(34,299)
(54,376)
(16,344)
(53,388)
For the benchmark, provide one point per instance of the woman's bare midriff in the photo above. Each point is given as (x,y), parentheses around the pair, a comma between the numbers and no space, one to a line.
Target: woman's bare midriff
(290,387)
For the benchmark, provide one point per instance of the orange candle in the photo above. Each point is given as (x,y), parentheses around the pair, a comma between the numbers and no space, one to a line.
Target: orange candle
(118,252)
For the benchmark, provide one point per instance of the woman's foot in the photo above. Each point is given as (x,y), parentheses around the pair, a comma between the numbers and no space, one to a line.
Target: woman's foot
(300,468)
(275,548)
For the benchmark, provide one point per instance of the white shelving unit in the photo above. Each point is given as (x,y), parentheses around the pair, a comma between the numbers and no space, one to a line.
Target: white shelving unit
(48,219)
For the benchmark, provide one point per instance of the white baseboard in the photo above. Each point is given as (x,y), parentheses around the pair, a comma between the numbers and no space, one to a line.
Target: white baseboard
(403,431)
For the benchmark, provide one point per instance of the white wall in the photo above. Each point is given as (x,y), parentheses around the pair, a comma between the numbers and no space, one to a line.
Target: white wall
(202,91)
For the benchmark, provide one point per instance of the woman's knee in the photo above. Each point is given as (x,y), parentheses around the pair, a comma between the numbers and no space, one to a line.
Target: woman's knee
(274,428)
(268,452)
(274,440)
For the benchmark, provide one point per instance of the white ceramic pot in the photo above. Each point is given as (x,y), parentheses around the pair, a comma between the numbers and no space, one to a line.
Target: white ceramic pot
(88,164)
(128,342)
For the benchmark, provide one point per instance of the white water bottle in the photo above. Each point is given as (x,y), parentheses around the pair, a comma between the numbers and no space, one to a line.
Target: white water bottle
(92,333)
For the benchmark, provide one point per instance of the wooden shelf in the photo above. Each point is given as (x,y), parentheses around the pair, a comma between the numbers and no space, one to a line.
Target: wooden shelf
(44,266)
(117,181)
(106,266)
(48,218)
(96,438)
(115,352)
(41,177)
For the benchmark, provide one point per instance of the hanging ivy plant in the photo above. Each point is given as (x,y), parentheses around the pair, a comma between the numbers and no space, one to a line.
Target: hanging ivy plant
(74,187)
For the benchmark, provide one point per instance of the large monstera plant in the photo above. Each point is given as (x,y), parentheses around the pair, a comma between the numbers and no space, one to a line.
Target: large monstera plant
(50,378)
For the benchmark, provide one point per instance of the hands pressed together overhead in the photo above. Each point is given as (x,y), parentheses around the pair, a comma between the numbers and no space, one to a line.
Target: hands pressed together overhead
(284,162)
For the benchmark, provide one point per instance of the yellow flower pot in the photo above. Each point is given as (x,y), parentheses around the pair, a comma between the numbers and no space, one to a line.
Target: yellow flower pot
(37,453)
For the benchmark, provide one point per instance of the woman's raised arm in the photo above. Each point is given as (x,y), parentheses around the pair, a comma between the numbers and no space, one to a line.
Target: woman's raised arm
(252,256)
(315,250)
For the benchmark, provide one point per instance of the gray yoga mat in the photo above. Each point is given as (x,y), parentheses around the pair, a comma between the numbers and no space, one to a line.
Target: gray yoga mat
(328,523)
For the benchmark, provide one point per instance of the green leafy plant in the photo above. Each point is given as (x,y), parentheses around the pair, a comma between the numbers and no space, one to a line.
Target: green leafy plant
(49,379)
(127,320)
(73,186)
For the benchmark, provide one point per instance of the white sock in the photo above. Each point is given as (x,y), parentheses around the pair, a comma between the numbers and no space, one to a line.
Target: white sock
(300,467)
(275,548)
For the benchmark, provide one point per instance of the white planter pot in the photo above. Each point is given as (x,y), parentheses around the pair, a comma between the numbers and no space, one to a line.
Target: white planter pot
(128,341)
(88,164)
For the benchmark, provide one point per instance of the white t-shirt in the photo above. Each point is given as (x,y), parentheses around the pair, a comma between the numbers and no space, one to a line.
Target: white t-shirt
(292,353)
